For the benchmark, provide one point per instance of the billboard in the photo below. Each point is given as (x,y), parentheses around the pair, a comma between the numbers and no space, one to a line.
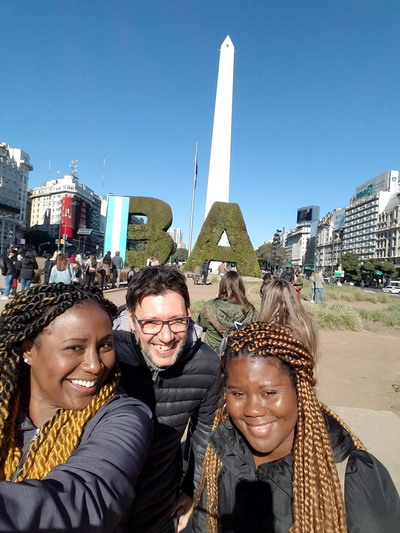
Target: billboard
(307,214)
(67,217)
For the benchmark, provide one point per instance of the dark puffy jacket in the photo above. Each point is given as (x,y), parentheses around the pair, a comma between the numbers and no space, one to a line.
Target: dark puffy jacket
(28,267)
(255,500)
(187,390)
(92,490)
(7,266)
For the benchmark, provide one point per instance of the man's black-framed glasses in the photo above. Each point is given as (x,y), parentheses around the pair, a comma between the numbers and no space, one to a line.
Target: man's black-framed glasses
(153,327)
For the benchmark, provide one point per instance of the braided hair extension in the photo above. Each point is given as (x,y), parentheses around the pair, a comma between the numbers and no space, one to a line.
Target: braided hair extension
(23,319)
(317,500)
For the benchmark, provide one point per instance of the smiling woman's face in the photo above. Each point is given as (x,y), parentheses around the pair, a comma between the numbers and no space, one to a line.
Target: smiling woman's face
(262,403)
(70,361)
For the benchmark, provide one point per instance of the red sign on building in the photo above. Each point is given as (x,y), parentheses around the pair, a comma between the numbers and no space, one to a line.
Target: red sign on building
(67,217)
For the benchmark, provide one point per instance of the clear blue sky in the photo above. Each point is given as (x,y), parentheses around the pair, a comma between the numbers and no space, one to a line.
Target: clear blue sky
(316,108)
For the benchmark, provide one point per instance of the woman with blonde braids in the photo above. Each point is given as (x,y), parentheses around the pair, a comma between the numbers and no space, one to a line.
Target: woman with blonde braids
(270,464)
(71,448)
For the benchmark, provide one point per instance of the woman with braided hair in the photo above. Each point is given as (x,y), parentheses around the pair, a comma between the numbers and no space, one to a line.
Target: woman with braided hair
(71,448)
(270,464)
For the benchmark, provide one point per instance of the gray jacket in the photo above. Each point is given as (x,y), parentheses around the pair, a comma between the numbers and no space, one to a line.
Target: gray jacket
(92,490)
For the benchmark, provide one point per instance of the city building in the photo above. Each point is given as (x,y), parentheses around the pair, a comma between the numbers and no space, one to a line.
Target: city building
(362,215)
(177,235)
(388,232)
(14,176)
(67,210)
(329,240)
(299,243)
(296,241)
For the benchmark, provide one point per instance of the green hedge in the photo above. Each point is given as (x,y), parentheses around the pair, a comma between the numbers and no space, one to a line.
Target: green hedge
(158,243)
(225,217)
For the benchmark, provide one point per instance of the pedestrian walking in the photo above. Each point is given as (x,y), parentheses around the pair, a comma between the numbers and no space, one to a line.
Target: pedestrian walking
(319,287)
(9,272)
(28,267)
(90,270)
(196,274)
(118,263)
(205,268)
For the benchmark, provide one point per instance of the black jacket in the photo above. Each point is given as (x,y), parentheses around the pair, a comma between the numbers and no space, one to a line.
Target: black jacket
(7,266)
(29,265)
(260,500)
(186,391)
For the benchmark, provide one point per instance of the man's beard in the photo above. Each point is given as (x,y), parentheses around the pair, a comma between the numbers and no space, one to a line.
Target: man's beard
(147,354)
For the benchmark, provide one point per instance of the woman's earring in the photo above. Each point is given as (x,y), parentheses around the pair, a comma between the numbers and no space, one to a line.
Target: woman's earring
(26,360)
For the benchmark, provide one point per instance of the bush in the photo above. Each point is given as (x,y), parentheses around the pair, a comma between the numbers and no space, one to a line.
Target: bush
(335,317)
(389,316)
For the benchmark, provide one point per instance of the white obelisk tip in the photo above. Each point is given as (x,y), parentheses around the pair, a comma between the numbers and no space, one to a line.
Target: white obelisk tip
(220,155)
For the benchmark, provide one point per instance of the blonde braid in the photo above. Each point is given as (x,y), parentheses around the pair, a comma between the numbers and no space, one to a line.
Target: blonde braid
(60,436)
(317,499)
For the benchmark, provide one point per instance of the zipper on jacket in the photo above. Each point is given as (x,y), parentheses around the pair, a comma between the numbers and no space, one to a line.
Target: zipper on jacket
(25,454)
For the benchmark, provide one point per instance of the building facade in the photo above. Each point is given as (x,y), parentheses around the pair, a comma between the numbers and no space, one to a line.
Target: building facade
(296,241)
(63,206)
(362,215)
(14,176)
(329,240)
(388,232)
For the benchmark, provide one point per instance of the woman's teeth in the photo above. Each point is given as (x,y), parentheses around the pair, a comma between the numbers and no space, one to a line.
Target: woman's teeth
(83,383)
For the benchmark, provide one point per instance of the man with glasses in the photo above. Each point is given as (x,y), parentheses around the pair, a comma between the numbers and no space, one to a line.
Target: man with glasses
(164,363)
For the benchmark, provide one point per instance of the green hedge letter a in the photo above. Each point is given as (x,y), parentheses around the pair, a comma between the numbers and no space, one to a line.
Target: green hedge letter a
(225,218)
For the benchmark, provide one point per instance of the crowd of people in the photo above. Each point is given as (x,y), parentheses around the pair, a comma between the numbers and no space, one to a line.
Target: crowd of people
(20,268)
(95,404)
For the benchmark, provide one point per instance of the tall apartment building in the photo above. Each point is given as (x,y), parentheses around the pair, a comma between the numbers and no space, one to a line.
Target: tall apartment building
(361,219)
(14,176)
(329,240)
(62,206)
(299,243)
(177,235)
(296,241)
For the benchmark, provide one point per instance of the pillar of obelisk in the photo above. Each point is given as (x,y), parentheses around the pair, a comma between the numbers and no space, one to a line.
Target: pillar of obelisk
(220,156)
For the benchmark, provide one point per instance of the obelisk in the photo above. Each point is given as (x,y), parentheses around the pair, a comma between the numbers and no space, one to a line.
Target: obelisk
(220,156)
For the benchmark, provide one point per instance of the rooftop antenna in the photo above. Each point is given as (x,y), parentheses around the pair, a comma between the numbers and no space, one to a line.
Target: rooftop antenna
(74,166)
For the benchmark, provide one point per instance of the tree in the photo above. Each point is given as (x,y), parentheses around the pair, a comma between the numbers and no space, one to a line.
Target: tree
(264,255)
(386,267)
(351,265)
(181,254)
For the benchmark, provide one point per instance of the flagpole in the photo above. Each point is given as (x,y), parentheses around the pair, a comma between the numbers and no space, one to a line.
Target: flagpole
(193,197)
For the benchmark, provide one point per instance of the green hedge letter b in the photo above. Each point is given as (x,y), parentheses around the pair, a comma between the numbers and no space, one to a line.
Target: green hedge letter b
(150,239)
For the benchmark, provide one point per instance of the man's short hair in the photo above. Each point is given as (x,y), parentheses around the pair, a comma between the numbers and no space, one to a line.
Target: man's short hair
(155,280)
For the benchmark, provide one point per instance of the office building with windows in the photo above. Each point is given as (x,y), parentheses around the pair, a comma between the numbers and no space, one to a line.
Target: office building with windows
(14,176)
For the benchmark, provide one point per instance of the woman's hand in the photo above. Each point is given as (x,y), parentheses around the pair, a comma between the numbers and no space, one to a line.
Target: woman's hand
(183,511)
